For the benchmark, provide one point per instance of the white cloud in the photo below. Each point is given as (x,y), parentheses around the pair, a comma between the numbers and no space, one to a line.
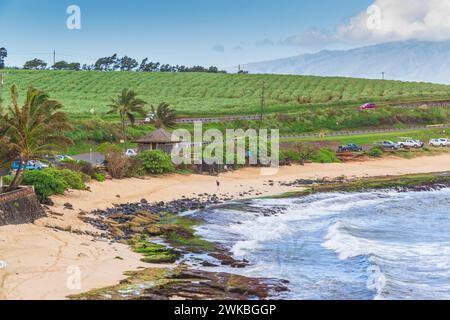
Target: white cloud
(388,20)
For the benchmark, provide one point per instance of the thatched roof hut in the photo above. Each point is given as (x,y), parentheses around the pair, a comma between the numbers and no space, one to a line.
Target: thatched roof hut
(157,140)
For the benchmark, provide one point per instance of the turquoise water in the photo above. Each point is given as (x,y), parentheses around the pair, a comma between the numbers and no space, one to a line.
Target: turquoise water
(374,245)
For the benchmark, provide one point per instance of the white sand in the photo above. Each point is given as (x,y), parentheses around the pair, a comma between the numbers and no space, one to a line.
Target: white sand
(38,257)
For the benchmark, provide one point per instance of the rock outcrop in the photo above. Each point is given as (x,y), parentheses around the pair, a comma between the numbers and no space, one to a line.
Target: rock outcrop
(19,207)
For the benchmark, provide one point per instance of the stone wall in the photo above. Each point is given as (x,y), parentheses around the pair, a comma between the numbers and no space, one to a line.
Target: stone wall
(19,207)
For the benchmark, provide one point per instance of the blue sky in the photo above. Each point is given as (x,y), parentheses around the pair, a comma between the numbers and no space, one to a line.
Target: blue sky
(205,32)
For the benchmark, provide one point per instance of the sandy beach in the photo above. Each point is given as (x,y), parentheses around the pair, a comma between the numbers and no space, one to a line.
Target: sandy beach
(39,256)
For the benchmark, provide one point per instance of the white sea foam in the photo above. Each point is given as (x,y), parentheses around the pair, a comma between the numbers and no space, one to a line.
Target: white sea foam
(392,245)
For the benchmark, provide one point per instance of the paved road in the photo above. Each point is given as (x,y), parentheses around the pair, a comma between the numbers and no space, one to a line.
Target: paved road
(212,119)
(95,158)
(217,119)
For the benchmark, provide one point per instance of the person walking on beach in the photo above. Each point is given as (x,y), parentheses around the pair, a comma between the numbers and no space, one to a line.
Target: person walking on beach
(218,186)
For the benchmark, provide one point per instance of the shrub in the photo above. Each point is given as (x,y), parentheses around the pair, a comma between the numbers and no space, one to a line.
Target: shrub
(136,167)
(375,152)
(84,167)
(7,180)
(45,183)
(289,155)
(74,180)
(118,165)
(325,156)
(156,162)
(100,177)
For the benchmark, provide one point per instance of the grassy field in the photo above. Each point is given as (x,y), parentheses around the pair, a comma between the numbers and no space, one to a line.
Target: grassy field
(200,94)
(367,139)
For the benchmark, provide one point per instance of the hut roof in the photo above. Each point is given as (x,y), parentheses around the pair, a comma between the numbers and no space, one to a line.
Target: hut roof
(158,136)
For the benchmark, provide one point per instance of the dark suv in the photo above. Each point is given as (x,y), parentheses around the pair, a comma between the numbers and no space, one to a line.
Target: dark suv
(350,148)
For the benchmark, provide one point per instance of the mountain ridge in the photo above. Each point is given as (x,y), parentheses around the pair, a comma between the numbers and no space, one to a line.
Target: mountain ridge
(420,61)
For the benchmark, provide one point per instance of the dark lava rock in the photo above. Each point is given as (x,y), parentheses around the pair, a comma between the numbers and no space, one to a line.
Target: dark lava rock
(68,206)
(227,260)
(48,202)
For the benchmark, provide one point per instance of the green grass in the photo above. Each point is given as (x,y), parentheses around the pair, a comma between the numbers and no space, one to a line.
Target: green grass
(366,139)
(216,94)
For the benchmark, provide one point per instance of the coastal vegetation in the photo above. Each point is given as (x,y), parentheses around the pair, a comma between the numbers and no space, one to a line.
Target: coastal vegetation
(127,105)
(155,162)
(32,130)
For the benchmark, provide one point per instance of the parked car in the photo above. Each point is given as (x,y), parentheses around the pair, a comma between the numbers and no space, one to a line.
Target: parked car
(350,148)
(411,143)
(439,142)
(388,145)
(368,106)
(150,117)
(61,158)
(131,153)
(31,165)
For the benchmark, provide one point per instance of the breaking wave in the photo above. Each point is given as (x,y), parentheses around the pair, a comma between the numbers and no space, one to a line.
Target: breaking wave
(371,245)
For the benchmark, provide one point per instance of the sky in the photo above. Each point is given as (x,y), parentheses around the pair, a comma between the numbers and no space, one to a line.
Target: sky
(211,32)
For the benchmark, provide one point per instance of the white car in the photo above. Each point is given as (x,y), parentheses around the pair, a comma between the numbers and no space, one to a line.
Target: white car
(411,143)
(61,158)
(150,118)
(38,164)
(439,142)
(131,153)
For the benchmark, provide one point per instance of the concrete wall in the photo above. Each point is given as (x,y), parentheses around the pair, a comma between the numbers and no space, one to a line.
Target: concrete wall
(19,207)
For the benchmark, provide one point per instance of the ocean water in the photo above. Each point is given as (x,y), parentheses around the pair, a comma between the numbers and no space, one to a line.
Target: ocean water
(359,246)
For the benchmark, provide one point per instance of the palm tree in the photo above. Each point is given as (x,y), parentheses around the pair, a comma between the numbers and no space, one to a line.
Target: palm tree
(32,131)
(126,105)
(164,116)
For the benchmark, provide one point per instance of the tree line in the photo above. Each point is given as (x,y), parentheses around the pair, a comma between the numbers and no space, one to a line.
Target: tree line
(111,63)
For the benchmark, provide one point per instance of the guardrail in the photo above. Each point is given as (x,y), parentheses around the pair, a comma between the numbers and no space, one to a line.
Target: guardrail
(216,119)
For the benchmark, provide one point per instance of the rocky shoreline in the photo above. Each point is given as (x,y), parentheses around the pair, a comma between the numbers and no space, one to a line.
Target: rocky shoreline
(161,235)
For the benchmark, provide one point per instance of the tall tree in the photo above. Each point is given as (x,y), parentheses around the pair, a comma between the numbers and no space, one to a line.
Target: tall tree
(33,130)
(107,63)
(3,55)
(164,116)
(127,104)
(63,65)
(36,64)
(127,64)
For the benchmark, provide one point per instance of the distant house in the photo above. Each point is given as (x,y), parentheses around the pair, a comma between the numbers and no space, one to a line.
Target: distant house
(157,140)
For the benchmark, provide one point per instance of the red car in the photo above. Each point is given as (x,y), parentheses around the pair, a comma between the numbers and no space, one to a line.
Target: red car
(368,106)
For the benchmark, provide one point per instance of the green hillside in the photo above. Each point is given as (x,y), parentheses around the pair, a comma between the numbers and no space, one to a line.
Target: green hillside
(221,94)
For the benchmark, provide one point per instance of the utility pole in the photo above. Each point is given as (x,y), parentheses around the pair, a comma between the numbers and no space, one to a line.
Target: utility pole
(382,75)
(54,57)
